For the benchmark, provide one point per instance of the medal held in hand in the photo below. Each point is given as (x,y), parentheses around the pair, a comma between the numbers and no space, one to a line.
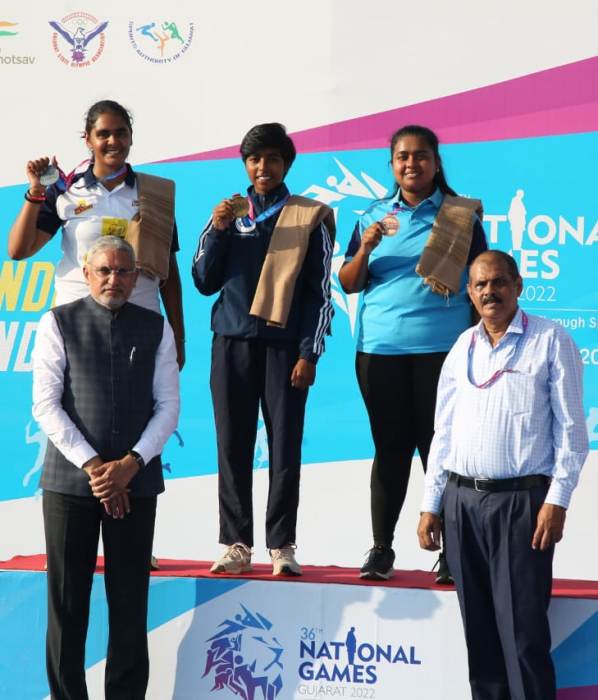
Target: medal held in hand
(240,206)
(390,225)
(49,176)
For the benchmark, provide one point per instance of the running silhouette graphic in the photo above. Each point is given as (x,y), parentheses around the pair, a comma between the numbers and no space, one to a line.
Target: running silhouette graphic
(351,644)
(517,219)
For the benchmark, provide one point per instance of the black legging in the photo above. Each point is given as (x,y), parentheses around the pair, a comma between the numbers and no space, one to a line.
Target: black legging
(399,392)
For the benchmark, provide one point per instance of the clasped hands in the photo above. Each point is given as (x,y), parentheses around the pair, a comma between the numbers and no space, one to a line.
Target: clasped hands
(109,482)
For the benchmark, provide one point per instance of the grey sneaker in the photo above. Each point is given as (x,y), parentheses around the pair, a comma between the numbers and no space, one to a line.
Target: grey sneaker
(284,562)
(235,560)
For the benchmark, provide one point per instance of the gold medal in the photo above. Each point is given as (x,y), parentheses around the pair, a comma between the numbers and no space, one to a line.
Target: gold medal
(240,206)
(390,224)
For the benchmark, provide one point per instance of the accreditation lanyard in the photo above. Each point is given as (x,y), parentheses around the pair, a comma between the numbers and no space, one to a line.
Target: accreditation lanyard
(266,214)
(499,372)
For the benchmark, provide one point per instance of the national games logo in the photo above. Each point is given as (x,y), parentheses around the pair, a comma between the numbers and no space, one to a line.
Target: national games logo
(78,39)
(161,41)
(244,657)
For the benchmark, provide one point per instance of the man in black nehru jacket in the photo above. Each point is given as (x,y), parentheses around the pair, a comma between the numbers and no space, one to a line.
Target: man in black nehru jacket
(106,393)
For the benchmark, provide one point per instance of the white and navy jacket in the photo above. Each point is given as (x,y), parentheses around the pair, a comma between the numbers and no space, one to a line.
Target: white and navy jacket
(230,262)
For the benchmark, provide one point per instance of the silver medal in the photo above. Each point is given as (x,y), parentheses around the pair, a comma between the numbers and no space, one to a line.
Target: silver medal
(49,176)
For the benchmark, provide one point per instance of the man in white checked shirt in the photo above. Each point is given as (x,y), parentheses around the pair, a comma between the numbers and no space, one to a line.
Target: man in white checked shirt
(509,444)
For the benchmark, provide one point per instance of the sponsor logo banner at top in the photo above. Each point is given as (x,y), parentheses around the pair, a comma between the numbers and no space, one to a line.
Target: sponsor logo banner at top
(160,41)
(78,39)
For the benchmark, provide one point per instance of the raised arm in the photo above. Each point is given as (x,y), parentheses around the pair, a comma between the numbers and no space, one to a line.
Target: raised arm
(353,274)
(25,238)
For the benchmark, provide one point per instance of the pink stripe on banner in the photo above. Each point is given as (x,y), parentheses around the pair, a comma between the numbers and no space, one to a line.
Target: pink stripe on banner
(555,101)
(566,120)
(587,692)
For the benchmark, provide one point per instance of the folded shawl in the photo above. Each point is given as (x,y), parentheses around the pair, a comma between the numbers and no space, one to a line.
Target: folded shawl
(446,251)
(285,255)
(150,230)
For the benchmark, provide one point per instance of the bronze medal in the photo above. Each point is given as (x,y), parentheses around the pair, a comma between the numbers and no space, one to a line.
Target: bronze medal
(390,224)
(240,206)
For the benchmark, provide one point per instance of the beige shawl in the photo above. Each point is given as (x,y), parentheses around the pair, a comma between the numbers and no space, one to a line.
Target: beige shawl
(150,230)
(285,256)
(445,254)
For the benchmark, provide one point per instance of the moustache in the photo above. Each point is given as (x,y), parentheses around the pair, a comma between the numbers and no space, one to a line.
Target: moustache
(491,298)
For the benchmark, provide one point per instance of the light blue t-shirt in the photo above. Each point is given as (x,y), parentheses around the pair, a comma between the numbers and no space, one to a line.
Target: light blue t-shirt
(400,315)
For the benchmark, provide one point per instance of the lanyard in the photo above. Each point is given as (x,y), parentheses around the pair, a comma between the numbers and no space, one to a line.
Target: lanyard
(68,179)
(270,211)
(499,372)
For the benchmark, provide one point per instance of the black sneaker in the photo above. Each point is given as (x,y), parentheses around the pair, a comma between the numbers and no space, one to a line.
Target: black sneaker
(444,576)
(378,565)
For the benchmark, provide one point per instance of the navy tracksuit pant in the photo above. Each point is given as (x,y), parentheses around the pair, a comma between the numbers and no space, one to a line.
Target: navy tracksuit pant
(247,372)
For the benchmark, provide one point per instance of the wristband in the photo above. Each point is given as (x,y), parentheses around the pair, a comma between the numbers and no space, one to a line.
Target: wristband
(34,199)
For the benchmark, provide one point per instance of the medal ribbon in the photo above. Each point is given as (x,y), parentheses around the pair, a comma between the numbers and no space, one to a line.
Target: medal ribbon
(270,211)
(499,372)
(67,180)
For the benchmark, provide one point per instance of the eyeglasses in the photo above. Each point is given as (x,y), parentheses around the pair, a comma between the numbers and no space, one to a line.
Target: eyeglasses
(105,272)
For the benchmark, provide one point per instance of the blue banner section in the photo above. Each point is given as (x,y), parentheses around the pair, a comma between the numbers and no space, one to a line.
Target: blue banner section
(575,658)
(549,223)
(23,619)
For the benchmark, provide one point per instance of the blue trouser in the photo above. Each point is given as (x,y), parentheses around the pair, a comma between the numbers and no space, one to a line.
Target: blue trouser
(504,591)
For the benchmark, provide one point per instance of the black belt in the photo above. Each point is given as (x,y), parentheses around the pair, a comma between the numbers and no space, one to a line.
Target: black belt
(519,483)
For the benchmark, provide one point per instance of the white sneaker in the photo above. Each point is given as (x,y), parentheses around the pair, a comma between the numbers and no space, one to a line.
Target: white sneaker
(235,560)
(284,562)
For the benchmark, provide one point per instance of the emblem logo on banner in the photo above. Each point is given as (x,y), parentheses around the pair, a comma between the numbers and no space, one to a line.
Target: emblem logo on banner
(245,656)
(161,41)
(349,196)
(78,39)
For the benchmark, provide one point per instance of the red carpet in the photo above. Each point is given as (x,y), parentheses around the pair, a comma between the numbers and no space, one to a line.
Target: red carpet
(564,588)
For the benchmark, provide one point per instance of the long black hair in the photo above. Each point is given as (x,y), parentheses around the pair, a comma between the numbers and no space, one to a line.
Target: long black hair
(432,141)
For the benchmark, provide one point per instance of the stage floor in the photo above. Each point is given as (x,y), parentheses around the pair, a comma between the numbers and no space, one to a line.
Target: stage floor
(561,588)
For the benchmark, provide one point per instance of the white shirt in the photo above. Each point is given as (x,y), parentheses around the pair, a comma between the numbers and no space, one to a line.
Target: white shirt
(88,212)
(530,421)
(49,362)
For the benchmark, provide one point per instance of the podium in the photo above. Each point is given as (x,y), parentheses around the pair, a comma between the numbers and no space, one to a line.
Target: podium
(326,634)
